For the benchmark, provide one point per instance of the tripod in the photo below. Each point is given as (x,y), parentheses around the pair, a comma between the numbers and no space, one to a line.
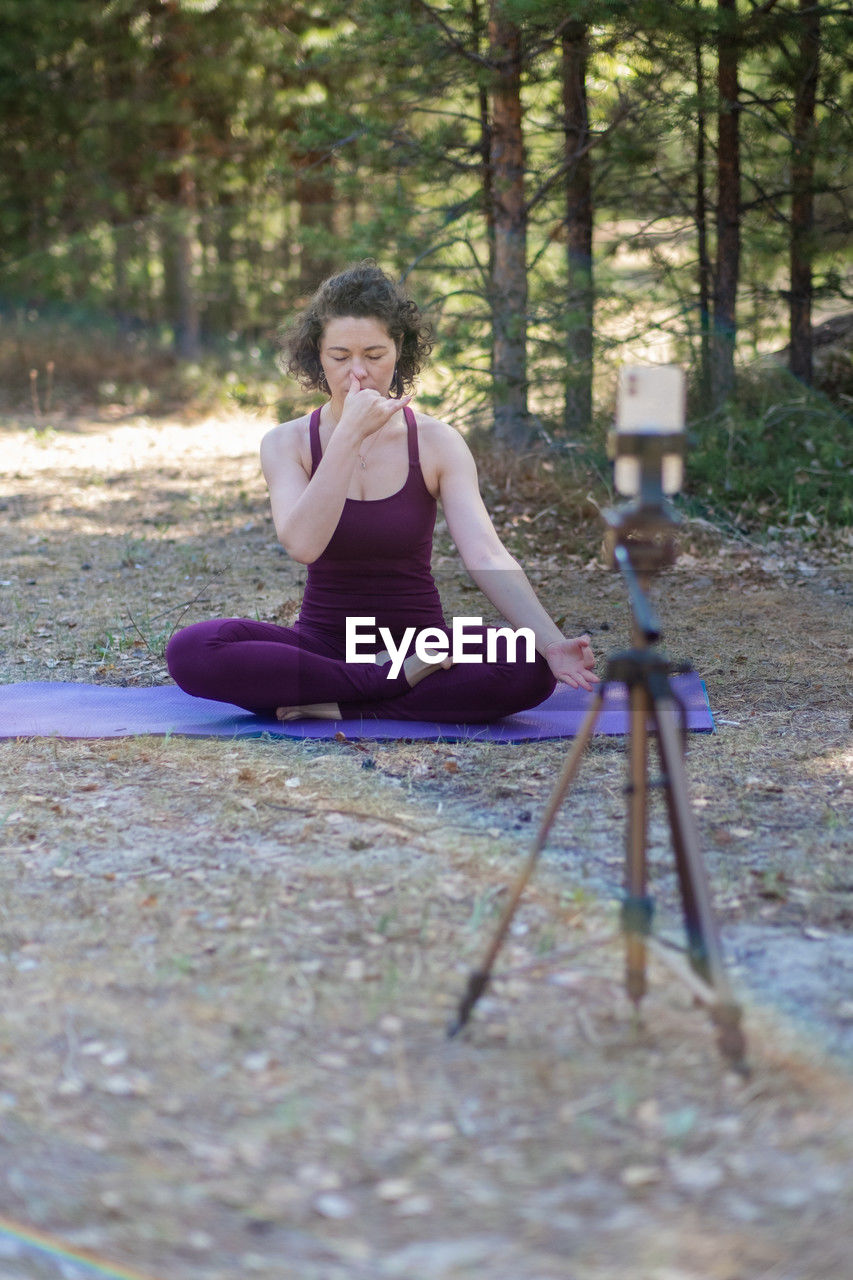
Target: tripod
(645,670)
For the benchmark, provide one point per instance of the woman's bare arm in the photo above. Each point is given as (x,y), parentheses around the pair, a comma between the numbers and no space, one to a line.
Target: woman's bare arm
(306,509)
(497,573)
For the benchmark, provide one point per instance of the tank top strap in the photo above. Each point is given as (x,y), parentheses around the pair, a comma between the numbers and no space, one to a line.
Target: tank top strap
(314,437)
(412,425)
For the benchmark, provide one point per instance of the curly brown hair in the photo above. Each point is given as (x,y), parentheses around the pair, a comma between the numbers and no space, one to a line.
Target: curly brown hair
(361,290)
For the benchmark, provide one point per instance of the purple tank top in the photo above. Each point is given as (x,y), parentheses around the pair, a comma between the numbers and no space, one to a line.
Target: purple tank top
(377,562)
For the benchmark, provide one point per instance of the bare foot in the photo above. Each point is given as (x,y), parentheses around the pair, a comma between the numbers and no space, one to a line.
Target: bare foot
(415,669)
(312,711)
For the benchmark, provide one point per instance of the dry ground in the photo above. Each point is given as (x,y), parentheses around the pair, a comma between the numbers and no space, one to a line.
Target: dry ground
(227,965)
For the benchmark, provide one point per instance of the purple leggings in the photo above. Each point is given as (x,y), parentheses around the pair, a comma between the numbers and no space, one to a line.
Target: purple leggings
(260,666)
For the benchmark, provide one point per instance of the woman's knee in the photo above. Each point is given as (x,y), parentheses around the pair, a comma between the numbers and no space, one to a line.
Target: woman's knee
(542,680)
(178,655)
(512,687)
(186,654)
(524,685)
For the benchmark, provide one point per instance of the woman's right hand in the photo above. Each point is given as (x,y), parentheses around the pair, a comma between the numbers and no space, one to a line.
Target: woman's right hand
(365,411)
(306,510)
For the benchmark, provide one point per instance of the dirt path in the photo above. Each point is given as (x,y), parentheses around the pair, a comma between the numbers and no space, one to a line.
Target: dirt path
(228,965)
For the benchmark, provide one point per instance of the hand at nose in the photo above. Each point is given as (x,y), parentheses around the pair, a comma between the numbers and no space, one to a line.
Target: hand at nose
(366,409)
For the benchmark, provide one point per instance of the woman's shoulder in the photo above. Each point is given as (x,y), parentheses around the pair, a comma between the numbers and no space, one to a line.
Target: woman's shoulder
(289,439)
(287,435)
(443,452)
(438,435)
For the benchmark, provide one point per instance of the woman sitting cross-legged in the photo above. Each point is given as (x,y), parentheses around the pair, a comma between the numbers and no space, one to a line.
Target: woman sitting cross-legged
(354,488)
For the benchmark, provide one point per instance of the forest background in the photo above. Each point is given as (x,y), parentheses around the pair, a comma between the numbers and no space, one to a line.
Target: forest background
(565,186)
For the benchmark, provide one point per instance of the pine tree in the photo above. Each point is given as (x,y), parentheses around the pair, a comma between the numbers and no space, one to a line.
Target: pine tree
(727,264)
(580,293)
(509,218)
(803,146)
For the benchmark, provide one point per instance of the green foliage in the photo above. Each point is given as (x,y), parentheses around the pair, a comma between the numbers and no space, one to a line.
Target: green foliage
(200,165)
(777,454)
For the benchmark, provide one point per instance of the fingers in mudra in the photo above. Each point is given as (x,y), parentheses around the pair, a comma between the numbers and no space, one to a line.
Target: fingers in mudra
(369,407)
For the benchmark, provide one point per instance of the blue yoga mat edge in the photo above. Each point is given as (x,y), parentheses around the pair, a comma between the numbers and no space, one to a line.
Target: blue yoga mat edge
(68,709)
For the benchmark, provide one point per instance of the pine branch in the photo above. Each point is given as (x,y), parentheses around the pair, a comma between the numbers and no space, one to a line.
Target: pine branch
(761,10)
(454,40)
(623,111)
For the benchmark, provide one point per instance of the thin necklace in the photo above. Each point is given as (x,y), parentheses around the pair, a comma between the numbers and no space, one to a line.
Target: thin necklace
(362,457)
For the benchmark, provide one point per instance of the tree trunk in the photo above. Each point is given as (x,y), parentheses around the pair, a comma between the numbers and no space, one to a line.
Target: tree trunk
(223,313)
(727,268)
(701,216)
(485,141)
(315,195)
(121,306)
(186,321)
(580,297)
(509,277)
(802,192)
(180,228)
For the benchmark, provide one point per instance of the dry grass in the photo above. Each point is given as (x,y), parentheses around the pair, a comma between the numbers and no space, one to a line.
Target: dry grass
(229,964)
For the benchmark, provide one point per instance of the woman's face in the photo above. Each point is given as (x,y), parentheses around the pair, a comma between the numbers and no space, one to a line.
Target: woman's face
(359,345)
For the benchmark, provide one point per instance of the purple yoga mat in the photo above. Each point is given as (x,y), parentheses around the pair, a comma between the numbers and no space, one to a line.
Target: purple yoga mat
(62,710)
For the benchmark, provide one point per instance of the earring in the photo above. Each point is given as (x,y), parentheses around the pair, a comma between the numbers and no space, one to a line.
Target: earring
(323,384)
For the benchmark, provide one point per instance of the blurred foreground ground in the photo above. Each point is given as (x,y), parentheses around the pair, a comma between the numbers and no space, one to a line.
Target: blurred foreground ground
(228,965)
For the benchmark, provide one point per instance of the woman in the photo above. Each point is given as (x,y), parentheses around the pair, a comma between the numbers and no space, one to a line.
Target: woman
(353,488)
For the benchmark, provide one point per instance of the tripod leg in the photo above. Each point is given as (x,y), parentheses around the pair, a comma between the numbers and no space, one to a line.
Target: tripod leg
(703,942)
(636,911)
(478,979)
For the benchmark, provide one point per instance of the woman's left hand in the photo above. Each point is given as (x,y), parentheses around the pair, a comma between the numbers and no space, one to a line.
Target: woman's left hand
(572,662)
